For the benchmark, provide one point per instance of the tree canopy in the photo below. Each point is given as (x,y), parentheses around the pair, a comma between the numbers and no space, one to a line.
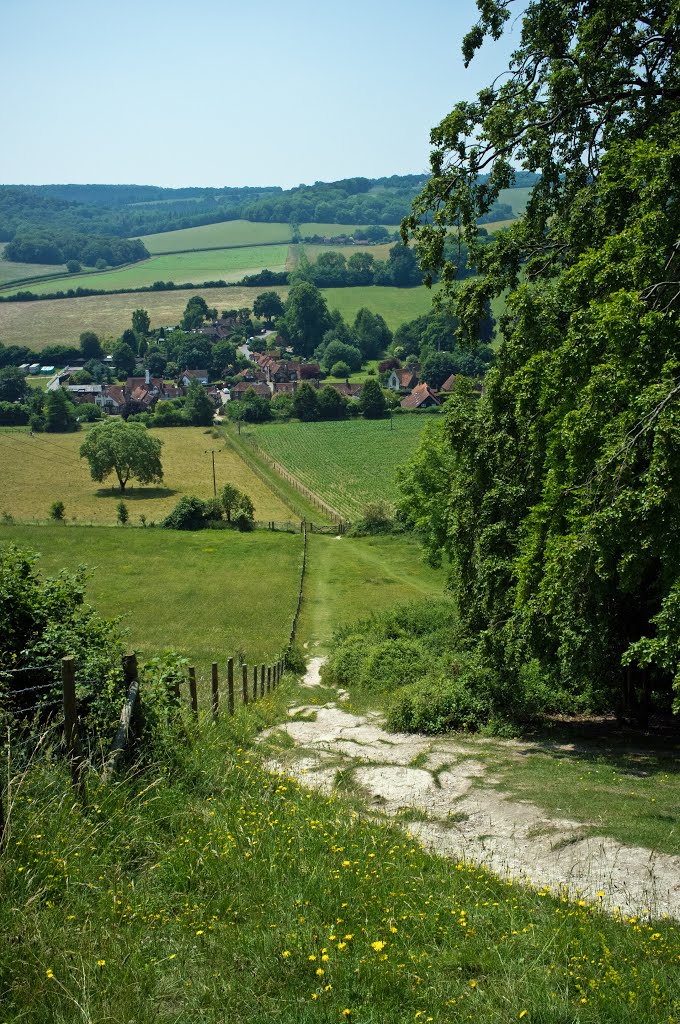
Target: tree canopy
(557,493)
(126,449)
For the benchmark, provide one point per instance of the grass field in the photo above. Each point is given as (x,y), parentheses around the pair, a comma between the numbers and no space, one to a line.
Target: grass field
(52,321)
(350,578)
(516,197)
(10,271)
(380,252)
(219,264)
(396,305)
(346,463)
(39,470)
(209,595)
(210,236)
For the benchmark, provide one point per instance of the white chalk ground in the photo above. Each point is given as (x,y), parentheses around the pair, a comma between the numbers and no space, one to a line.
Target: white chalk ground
(449,803)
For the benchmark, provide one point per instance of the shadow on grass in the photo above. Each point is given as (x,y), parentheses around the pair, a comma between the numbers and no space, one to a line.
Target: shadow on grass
(632,751)
(136,493)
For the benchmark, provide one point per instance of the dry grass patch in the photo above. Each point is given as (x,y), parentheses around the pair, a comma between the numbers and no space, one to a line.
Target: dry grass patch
(45,468)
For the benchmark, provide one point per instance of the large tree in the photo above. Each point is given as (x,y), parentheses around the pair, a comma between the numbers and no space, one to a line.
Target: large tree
(268,305)
(561,495)
(126,449)
(306,318)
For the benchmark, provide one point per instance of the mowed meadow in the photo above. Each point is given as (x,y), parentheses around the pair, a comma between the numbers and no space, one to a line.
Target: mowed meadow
(347,463)
(44,468)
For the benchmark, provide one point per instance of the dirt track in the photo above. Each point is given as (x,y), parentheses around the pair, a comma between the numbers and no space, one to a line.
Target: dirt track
(449,801)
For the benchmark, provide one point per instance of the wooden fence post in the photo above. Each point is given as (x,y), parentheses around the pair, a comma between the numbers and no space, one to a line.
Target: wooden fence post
(269,678)
(122,737)
(215,691)
(244,683)
(262,682)
(192,690)
(254,682)
(71,737)
(230,685)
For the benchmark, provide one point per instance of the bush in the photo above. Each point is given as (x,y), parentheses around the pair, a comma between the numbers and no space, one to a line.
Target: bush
(437,705)
(392,663)
(346,661)
(376,518)
(57,509)
(122,514)
(188,514)
(89,413)
(340,369)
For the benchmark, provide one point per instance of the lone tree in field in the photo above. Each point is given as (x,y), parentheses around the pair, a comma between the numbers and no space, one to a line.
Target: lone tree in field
(126,449)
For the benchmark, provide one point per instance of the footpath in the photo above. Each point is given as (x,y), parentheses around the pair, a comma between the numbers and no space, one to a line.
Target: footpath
(446,797)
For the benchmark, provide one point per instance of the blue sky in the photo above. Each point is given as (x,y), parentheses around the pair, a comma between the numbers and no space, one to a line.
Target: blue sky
(211,92)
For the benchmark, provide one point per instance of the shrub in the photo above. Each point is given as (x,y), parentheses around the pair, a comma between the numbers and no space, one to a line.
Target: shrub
(392,663)
(346,661)
(188,514)
(340,369)
(377,517)
(437,705)
(57,509)
(122,514)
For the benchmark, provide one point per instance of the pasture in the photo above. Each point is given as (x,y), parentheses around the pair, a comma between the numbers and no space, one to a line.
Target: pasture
(225,234)
(395,305)
(213,265)
(39,470)
(209,594)
(347,463)
(10,271)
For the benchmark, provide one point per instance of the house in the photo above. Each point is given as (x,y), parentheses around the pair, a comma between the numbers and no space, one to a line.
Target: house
(345,388)
(239,390)
(447,386)
(111,399)
(422,397)
(402,380)
(84,394)
(198,375)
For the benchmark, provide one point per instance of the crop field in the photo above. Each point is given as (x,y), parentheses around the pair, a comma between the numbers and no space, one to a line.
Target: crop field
(516,197)
(53,321)
(39,470)
(380,252)
(347,463)
(226,233)
(221,592)
(396,305)
(213,265)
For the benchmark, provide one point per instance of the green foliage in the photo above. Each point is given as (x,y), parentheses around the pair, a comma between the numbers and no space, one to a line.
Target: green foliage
(376,517)
(306,318)
(198,408)
(122,513)
(13,385)
(43,620)
(340,369)
(560,504)
(90,346)
(57,511)
(306,403)
(60,414)
(372,402)
(191,513)
(126,449)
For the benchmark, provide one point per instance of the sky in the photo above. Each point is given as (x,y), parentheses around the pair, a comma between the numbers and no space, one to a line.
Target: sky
(211,92)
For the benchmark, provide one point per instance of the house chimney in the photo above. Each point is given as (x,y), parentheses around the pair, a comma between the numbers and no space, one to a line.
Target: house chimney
(147,377)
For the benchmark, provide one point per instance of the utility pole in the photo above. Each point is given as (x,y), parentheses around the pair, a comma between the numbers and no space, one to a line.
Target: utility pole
(212,452)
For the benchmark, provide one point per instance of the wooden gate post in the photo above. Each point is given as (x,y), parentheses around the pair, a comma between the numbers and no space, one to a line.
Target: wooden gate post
(262,682)
(192,691)
(254,682)
(215,691)
(269,678)
(244,683)
(230,685)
